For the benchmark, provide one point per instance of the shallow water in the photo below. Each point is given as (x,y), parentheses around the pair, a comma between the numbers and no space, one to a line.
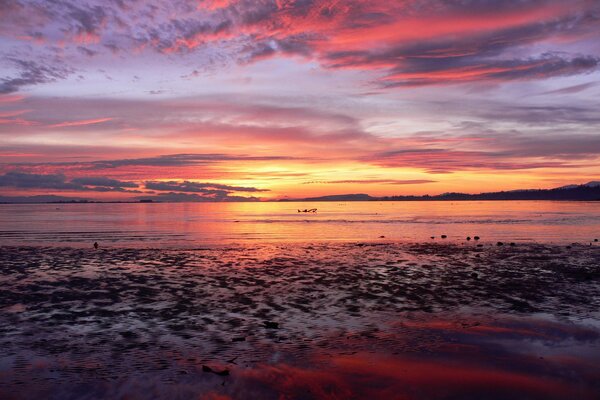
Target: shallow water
(191,225)
(353,321)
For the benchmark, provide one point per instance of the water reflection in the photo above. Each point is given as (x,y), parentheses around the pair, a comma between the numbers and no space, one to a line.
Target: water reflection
(454,357)
(504,358)
(193,224)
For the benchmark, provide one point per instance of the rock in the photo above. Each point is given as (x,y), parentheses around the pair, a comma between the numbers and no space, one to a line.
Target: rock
(499,244)
(444,236)
(381,237)
(468,237)
(513,244)
(224,372)
(95,245)
(238,339)
(476,237)
(129,334)
(433,237)
(271,325)
(595,240)
(479,245)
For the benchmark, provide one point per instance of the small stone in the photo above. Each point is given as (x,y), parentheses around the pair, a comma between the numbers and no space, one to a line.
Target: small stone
(271,325)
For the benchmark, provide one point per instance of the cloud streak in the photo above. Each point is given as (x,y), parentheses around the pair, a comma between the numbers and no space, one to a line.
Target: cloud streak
(22,180)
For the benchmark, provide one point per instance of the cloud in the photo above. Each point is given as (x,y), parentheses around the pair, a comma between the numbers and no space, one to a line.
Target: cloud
(86,21)
(195,197)
(572,89)
(106,182)
(23,180)
(196,187)
(32,73)
(80,123)
(180,160)
(410,43)
(436,71)
(376,181)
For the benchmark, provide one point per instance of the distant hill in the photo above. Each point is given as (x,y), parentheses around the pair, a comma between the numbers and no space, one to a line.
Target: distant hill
(589,184)
(586,192)
(342,197)
(589,191)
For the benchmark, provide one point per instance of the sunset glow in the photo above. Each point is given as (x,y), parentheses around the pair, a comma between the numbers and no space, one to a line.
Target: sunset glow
(236,100)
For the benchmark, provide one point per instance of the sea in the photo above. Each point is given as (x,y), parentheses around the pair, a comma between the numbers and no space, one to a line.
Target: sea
(194,225)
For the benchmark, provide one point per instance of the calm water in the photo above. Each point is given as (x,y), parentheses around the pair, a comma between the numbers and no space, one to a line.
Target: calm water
(198,224)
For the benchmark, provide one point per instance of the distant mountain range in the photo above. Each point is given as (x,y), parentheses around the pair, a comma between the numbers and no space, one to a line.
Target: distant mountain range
(586,192)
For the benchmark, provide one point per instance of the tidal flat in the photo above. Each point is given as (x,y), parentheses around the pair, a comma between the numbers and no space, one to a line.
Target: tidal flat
(301,321)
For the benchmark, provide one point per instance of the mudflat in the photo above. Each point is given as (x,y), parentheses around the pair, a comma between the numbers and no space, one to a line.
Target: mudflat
(312,320)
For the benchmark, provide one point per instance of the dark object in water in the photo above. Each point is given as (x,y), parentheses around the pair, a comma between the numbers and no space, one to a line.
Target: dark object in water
(312,210)
(433,237)
(476,237)
(499,244)
(479,245)
(206,368)
(474,275)
(95,245)
(238,339)
(513,244)
(444,236)
(381,237)
(271,325)
(568,247)
(468,237)
(595,240)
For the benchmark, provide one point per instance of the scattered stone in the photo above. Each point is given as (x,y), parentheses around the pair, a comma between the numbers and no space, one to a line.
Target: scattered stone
(433,237)
(499,244)
(468,238)
(381,237)
(129,334)
(476,237)
(513,244)
(271,325)
(224,372)
(444,236)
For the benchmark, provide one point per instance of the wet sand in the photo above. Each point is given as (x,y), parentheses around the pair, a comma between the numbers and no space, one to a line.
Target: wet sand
(331,321)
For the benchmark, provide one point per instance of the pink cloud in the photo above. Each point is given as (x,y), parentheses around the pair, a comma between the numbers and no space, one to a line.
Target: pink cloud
(80,123)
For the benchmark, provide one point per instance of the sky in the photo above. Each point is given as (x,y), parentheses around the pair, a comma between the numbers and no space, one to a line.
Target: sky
(222,100)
